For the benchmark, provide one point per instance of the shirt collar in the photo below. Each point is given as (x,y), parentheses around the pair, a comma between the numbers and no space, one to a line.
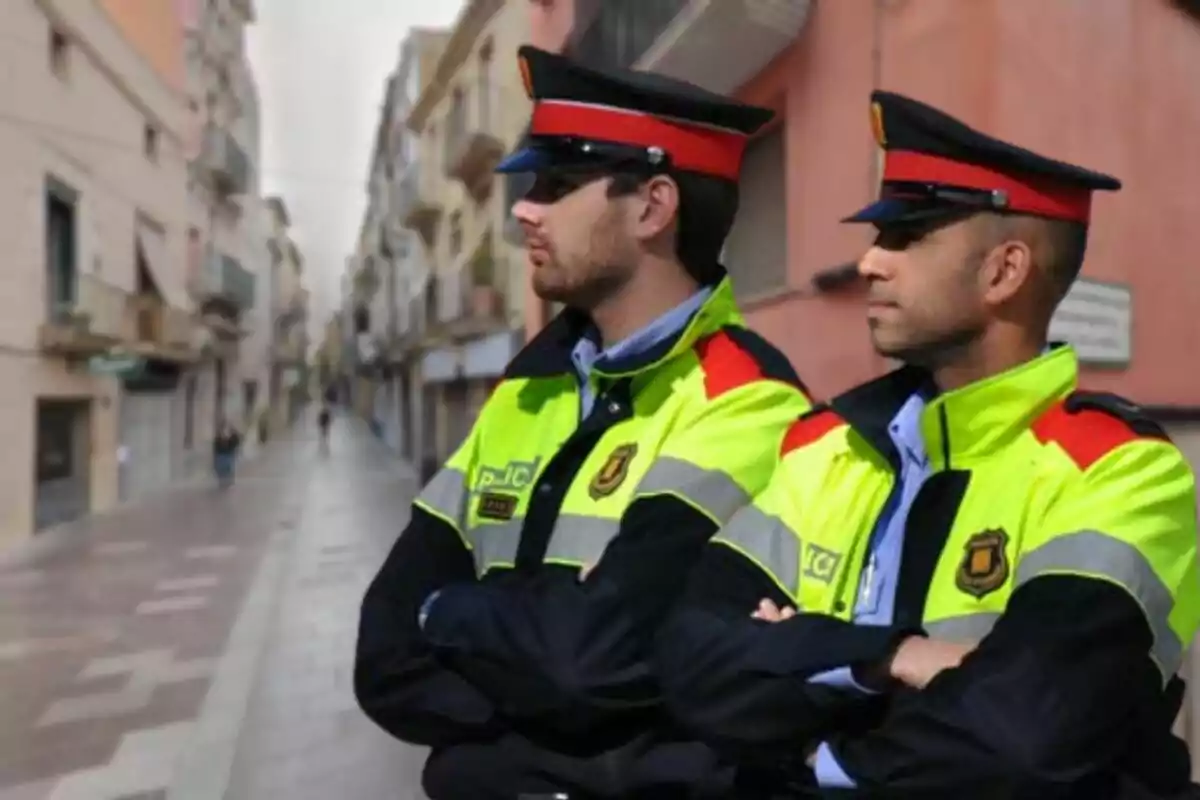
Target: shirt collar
(587,355)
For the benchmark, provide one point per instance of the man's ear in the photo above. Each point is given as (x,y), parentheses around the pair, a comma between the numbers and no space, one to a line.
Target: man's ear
(1007,269)
(659,206)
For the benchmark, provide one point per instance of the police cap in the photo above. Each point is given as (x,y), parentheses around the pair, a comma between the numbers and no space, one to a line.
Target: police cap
(584,116)
(935,165)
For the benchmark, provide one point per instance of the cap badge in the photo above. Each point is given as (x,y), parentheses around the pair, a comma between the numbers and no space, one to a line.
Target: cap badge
(877,125)
(526,77)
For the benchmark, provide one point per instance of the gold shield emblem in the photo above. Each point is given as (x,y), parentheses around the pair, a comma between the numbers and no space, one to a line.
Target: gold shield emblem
(612,473)
(526,77)
(984,567)
(877,125)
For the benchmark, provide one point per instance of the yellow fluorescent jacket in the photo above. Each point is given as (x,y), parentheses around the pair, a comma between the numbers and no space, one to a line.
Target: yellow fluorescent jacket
(1051,484)
(701,421)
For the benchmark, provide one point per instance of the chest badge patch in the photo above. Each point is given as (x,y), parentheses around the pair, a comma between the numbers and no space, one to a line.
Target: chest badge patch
(612,473)
(984,567)
(497,506)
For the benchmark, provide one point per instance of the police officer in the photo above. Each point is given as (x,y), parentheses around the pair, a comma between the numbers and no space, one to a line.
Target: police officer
(509,627)
(969,577)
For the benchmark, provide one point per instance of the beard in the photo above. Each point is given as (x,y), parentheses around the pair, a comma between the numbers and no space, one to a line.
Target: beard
(931,350)
(586,281)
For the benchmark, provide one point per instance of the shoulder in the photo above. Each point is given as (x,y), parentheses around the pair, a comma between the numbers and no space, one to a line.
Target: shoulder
(1087,426)
(734,357)
(812,427)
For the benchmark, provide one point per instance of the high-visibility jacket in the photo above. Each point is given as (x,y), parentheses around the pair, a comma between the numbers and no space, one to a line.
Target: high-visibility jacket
(520,661)
(1058,526)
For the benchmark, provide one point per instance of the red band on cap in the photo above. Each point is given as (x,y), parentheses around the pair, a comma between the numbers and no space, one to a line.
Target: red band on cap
(693,149)
(1028,194)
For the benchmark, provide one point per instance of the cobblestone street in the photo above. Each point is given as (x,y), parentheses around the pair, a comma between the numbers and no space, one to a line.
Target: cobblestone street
(200,646)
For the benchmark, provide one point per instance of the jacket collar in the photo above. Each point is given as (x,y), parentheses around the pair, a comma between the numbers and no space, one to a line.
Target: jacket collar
(548,354)
(968,423)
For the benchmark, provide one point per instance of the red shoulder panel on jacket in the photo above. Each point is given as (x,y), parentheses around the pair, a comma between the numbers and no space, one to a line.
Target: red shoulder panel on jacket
(727,365)
(1088,433)
(809,428)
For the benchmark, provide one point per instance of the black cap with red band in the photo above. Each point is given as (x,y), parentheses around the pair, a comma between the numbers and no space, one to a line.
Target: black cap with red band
(935,165)
(587,116)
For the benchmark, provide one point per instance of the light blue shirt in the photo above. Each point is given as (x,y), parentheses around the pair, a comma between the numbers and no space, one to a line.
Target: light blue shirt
(587,355)
(876,601)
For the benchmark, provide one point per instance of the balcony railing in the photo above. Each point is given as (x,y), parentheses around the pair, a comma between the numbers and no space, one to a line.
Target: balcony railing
(91,323)
(161,330)
(225,161)
(223,276)
(416,202)
(473,139)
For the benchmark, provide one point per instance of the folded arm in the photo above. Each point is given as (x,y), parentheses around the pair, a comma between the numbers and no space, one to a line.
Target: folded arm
(580,647)
(1072,676)
(398,680)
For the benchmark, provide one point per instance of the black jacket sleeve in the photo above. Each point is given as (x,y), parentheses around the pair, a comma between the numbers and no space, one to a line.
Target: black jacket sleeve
(398,680)
(743,684)
(569,652)
(1061,690)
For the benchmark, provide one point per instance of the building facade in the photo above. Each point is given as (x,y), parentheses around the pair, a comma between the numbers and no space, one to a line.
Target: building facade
(228,258)
(1016,74)
(288,302)
(94,324)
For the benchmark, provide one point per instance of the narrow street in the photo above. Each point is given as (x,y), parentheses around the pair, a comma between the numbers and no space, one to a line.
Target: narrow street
(200,646)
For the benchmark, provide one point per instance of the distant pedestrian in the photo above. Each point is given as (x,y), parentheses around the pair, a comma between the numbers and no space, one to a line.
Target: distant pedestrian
(324,420)
(225,450)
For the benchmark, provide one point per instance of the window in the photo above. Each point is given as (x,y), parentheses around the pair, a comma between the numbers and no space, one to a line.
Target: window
(150,141)
(60,47)
(456,234)
(486,105)
(61,277)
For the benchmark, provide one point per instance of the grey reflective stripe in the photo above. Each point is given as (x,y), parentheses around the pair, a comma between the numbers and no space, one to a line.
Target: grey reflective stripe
(712,490)
(768,540)
(580,540)
(446,493)
(495,544)
(967,628)
(576,540)
(1097,553)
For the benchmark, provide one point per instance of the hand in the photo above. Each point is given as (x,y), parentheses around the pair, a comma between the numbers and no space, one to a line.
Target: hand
(584,571)
(767,611)
(918,660)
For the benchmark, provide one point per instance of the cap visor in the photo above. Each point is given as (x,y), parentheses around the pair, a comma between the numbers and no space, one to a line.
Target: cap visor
(527,159)
(889,209)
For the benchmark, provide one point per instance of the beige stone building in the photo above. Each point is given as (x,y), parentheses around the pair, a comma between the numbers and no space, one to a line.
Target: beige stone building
(470,113)
(93,318)
(288,304)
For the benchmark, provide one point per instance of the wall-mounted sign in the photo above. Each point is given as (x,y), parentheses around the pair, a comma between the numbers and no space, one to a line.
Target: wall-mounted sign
(1096,318)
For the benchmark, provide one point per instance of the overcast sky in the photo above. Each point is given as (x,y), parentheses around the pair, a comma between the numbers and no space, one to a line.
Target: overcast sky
(320,66)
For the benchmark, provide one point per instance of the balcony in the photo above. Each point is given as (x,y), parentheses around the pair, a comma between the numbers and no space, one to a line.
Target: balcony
(616,33)
(416,203)
(91,324)
(468,300)
(473,143)
(160,331)
(288,352)
(225,162)
(224,286)
(748,34)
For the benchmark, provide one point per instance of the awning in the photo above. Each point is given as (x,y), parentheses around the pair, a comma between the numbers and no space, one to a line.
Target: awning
(152,244)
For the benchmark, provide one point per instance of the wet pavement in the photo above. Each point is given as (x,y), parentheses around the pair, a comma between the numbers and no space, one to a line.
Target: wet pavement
(200,645)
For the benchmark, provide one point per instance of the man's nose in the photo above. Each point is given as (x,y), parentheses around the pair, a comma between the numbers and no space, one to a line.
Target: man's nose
(527,214)
(876,264)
